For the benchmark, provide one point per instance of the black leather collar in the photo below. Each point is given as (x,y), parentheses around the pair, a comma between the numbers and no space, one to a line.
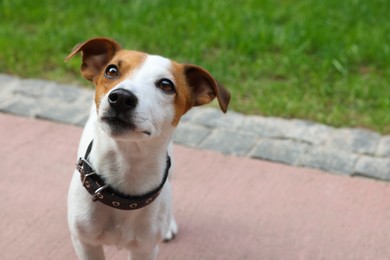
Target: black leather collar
(102,192)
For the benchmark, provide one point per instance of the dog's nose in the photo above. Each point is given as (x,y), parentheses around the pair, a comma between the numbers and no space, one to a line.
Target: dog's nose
(122,100)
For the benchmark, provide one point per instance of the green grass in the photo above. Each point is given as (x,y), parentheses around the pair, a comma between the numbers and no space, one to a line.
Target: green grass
(327,61)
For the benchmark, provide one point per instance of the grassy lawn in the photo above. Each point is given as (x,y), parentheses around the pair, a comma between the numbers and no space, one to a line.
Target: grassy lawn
(327,61)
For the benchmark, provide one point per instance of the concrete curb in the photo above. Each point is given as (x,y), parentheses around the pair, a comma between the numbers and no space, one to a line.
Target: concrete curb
(346,151)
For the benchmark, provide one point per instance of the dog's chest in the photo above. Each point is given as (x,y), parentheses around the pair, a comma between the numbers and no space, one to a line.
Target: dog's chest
(111,228)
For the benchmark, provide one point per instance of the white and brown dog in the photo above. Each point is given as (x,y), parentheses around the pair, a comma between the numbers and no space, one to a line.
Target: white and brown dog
(120,194)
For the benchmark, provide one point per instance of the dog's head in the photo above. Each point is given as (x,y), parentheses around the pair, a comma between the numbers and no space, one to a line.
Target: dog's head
(140,95)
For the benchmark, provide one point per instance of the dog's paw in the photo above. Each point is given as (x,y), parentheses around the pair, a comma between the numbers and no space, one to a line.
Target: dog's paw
(172,232)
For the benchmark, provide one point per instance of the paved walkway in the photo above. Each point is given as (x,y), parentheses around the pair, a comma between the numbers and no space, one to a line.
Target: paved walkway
(353,152)
(227,207)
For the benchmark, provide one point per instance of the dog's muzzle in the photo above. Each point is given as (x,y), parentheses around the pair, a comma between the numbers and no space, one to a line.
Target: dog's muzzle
(119,115)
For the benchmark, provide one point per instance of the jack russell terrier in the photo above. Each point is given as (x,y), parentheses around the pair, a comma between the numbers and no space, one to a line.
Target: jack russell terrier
(120,192)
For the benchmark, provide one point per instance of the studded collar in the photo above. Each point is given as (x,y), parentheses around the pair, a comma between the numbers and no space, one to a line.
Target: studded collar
(104,193)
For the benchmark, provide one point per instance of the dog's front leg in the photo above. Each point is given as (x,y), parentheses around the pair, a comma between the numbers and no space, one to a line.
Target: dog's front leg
(172,232)
(87,252)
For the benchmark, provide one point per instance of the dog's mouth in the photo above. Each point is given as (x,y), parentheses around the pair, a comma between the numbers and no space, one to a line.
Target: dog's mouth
(117,122)
(119,125)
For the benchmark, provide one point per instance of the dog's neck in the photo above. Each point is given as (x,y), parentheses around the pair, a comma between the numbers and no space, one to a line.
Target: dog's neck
(131,167)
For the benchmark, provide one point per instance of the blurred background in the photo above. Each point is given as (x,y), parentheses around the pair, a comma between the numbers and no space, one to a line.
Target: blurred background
(326,61)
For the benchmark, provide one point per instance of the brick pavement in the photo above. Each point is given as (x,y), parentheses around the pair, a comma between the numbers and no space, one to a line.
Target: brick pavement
(227,207)
(345,151)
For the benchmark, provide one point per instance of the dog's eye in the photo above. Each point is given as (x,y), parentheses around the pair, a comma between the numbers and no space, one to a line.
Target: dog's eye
(111,72)
(166,85)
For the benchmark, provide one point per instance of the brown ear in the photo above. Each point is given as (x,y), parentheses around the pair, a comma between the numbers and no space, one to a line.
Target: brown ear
(205,88)
(96,53)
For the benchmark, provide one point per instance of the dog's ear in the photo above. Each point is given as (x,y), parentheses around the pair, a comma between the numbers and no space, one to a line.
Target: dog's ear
(96,53)
(205,88)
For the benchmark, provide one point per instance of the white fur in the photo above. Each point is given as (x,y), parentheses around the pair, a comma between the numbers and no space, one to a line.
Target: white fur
(132,163)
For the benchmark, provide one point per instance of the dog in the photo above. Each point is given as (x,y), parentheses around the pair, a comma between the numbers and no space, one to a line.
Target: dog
(120,192)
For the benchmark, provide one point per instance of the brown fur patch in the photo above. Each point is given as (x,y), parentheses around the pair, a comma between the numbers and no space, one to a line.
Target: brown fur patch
(127,62)
(183,99)
(194,87)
